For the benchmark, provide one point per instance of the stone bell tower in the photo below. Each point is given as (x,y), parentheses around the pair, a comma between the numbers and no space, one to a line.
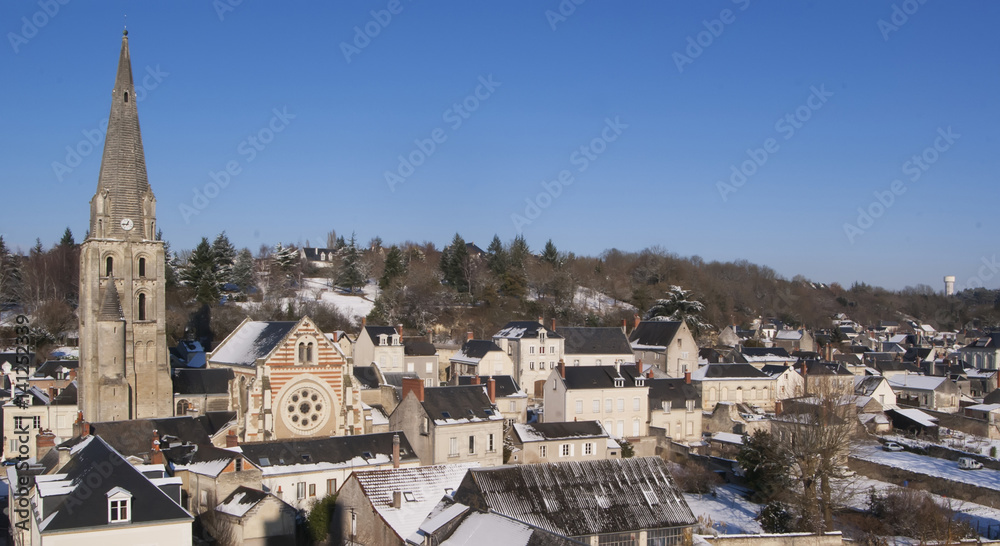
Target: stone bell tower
(124,368)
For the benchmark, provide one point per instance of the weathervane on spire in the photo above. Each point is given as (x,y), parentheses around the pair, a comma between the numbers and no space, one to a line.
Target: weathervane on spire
(125,29)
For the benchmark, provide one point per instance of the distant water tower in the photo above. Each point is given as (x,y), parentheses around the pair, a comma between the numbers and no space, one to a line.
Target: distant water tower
(949,285)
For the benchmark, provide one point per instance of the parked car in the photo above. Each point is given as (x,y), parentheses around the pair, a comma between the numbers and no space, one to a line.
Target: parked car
(968,463)
(892,446)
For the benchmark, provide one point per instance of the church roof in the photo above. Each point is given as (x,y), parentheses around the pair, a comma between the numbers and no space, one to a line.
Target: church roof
(123,165)
(250,341)
(111,307)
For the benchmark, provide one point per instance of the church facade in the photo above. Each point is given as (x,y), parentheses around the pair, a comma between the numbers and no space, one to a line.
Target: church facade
(124,367)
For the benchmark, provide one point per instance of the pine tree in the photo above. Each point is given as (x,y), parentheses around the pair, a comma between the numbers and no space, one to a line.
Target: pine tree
(10,275)
(285,257)
(496,257)
(67,239)
(242,274)
(351,274)
(455,264)
(225,257)
(201,274)
(550,255)
(394,267)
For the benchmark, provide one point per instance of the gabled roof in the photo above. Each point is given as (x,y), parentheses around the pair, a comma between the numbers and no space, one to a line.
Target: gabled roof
(367,376)
(503,385)
(712,372)
(375,331)
(916,382)
(989,341)
(594,341)
(135,437)
(789,335)
(93,471)
(300,455)
(453,524)
(474,350)
(250,341)
(780,352)
(654,333)
(459,404)
(204,459)
(50,368)
(202,381)
(599,377)
(774,370)
(425,485)
(675,391)
(518,329)
(866,385)
(541,432)
(418,347)
(581,498)
(818,367)
(241,500)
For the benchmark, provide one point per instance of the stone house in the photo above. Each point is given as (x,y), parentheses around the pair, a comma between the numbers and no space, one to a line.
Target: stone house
(533,349)
(256,518)
(675,407)
(933,393)
(561,442)
(480,357)
(667,345)
(510,399)
(615,395)
(382,345)
(737,383)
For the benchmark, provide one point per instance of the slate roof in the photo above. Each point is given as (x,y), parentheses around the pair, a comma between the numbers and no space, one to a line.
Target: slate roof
(67,396)
(727,371)
(204,459)
(459,404)
(375,331)
(594,341)
(989,341)
(453,524)
(915,382)
(774,370)
(766,351)
(675,391)
(518,329)
(789,335)
(504,385)
(993,397)
(134,437)
(541,432)
(426,485)
(818,367)
(83,484)
(599,377)
(654,333)
(202,381)
(250,341)
(111,306)
(418,347)
(241,501)
(367,376)
(581,498)
(474,350)
(866,385)
(333,451)
(50,368)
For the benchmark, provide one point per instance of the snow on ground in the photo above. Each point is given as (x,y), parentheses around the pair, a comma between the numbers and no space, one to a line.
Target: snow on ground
(730,513)
(65,353)
(592,300)
(931,466)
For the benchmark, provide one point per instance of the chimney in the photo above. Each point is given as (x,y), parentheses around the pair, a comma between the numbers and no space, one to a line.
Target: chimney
(624,326)
(562,369)
(553,324)
(475,380)
(395,450)
(156,456)
(414,384)
(397,499)
(687,377)
(540,320)
(635,321)
(52,393)
(491,389)
(231,439)
(468,335)
(399,330)
(64,456)
(364,322)
(44,442)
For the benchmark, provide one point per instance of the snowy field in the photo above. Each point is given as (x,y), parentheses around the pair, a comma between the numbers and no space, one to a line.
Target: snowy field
(728,511)
(353,306)
(592,300)
(930,466)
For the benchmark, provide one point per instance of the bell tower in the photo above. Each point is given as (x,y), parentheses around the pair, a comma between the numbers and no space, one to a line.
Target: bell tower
(124,368)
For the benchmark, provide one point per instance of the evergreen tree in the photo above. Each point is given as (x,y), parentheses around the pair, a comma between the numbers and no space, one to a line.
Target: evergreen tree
(242,274)
(38,249)
(285,257)
(225,257)
(67,239)
(515,282)
(394,267)
(496,257)
(10,275)
(455,264)
(550,255)
(170,265)
(679,305)
(351,273)
(201,274)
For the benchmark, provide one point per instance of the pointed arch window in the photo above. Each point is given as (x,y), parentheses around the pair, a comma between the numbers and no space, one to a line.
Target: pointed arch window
(109,266)
(142,306)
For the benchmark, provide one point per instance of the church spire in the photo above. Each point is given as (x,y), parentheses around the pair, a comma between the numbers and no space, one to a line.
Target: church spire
(124,200)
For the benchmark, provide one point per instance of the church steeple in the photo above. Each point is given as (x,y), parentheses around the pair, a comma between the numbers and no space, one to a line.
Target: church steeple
(124,205)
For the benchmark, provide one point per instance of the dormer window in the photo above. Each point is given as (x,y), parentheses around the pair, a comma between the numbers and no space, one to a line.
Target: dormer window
(665,404)
(396,339)
(640,381)
(119,506)
(690,405)
(383,339)
(619,382)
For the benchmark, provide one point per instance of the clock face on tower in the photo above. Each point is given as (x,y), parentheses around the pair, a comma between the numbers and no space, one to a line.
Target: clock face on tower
(127,224)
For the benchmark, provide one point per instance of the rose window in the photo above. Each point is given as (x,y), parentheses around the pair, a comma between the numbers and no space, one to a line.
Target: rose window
(304,408)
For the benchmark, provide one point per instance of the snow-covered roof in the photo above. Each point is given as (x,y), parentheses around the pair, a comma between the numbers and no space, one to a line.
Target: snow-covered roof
(918,382)
(250,341)
(728,438)
(984,407)
(917,416)
(789,335)
(241,501)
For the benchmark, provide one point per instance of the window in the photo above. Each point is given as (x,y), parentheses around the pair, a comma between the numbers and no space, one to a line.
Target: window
(490,444)
(635,404)
(472,445)
(541,350)
(541,451)
(588,448)
(118,511)
(618,539)
(565,450)
(109,266)
(621,429)
(453,447)
(579,406)
(300,490)
(312,490)
(621,404)
(512,406)
(23,422)
(429,368)
(425,426)
(409,366)
(664,537)
(239,465)
(531,350)
(531,365)
(635,427)
(142,267)
(608,408)
(331,486)
(142,306)
(596,406)
(541,365)
(690,405)
(690,428)
(552,349)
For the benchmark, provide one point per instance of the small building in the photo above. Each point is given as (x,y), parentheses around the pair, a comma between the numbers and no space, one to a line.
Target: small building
(533,349)
(421,357)
(560,442)
(382,345)
(665,344)
(616,395)
(739,383)
(45,411)
(675,407)
(983,353)
(252,517)
(200,390)
(479,357)
(787,382)
(586,346)
(933,393)
(510,399)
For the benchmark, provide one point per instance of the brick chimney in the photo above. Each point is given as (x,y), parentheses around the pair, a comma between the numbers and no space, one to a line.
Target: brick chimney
(156,456)
(475,380)
(399,330)
(414,384)
(468,335)
(491,389)
(231,439)
(624,326)
(687,377)
(395,450)
(553,324)
(562,368)
(635,322)
(44,442)
(364,322)
(540,320)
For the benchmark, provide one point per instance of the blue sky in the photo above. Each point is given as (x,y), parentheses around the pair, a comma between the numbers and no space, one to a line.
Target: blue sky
(664,123)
